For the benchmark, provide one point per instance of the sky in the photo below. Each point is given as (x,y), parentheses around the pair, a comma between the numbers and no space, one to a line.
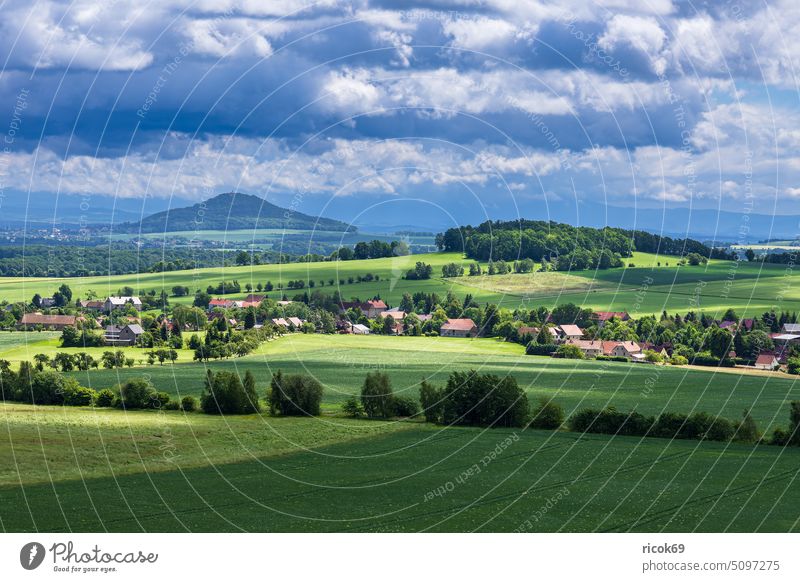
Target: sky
(416,112)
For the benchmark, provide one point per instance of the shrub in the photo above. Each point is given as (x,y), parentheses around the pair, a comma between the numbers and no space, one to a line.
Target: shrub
(677,360)
(161,400)
(352,407)
(294,395)
(135,393)
(77,395)
(224,393)
(570,352)
(484,400)
(172,405)
(533,349)
(547,415)
(188,403)
(105,398)
(377,397)
(610,421)
(405,406)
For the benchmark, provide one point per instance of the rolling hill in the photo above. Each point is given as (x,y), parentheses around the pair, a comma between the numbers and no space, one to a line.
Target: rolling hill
(231,211)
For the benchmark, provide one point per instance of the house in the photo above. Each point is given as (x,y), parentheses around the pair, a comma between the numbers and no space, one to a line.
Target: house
(284,303)
(295,321)
(748,323)
(661,349)
(569,332)
(396,314)
(257,299)
(590,348)
(534,331)
(280,322)
(793,328)
(91,305)
(54,322)
(112,303)
(47,302)
(223,303)
(116,335)
(623,349)
(370,309)
(463,327)
(766,361)
(729,325)
(603,316)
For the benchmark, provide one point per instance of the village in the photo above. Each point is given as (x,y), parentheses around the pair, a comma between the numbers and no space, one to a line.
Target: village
(128,321)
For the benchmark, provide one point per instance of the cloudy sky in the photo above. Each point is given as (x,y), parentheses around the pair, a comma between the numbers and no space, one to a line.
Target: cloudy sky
(472,108)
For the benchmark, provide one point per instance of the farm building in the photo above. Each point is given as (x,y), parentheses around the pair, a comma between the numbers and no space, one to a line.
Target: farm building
(112,303)
(569,332)
(459,328)
(54,322)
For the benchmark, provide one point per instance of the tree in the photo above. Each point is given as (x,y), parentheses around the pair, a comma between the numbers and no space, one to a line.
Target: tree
(242,258)
(477,399)
(430,398)
(136,393)
(718,341)
(750,255)
(747,431)
(377,395)
(352,407)
(294,395)
(420,271)
(452,270)
(224,393)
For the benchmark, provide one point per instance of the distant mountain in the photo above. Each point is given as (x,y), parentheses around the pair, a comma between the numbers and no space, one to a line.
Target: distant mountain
(231,211)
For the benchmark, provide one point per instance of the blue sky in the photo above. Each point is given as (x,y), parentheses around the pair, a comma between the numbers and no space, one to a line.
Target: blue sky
(414,112)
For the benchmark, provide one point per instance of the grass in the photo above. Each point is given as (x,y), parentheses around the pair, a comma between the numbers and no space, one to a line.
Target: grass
(342,362)
(654,284)
(18,346)
(539,481)
(51,442)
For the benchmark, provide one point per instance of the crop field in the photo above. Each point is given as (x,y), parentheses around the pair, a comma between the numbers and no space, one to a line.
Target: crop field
(653,284)
(411,477)
(342,362)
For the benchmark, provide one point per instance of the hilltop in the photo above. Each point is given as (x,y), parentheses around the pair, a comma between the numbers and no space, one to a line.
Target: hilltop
(231,211)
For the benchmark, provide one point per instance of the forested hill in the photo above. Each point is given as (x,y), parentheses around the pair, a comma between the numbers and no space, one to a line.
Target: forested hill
(565,246)
(231,211)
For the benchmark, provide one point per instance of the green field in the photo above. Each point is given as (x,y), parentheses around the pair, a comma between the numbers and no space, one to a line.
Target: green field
(645,288)
(385,482)
(341,363)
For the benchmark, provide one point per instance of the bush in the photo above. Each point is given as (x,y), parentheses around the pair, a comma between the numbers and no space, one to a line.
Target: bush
(377,397)
(533,349)
(610,421)
(188,403)
(225,393)
(352,407)
(405,406)
(611,358)
(570,352)
(294,395)
(677,360)
(136,393)
(45,387)
(484,400)
(77,395)
(172,405)
(547,415)
(161,400)
(105,398)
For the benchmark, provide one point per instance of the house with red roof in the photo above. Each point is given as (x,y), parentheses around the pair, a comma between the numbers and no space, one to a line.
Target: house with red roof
(766,361)
(604,316)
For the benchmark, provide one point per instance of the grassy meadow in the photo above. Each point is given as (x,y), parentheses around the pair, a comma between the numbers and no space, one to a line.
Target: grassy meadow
(406,477)
(341,363)
(653,284)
